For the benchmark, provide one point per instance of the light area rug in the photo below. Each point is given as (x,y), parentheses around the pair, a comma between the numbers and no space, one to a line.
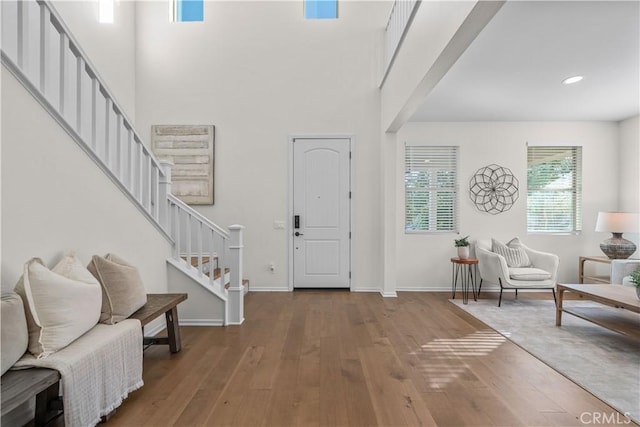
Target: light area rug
(605,363)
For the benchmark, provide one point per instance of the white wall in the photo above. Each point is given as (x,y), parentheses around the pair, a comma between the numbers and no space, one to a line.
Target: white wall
(423,261)
(259,72)
(628,166)
(426,54)
(0,167)
(201,307)
(110,47)
(55,199)
(629,173)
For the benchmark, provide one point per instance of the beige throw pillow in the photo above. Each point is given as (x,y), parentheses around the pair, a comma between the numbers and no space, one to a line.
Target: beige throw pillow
(15,335)
(60,304)
(513,253)
(122,289)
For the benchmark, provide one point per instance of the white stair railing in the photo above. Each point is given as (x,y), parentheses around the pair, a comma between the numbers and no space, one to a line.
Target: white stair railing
(40,51)
(198,243)
(197,238)
(400,18)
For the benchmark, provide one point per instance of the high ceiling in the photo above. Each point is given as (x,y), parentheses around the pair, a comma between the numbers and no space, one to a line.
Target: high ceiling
(514,69)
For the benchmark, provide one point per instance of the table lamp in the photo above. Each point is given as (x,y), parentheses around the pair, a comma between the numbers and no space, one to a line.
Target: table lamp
(617,223)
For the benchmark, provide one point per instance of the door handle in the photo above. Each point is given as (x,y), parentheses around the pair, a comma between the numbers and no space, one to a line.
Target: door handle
(297,233)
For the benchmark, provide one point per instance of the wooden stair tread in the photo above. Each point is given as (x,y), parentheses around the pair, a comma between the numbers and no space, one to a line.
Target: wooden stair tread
(216,271)
(245,282)
(194,260)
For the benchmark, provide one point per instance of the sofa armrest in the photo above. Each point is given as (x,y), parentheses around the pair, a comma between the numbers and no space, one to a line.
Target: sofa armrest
(492,266)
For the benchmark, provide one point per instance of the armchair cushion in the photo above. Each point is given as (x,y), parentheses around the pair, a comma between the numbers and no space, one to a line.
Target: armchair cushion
(513,253)
(528,273)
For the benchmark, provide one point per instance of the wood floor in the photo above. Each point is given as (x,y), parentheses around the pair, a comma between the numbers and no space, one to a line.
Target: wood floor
(352,359)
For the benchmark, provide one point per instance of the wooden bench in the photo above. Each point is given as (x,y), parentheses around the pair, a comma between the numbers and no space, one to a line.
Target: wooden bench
(20,386)
(155,306)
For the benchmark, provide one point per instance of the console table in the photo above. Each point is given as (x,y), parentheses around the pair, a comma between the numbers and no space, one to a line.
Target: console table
(598,279)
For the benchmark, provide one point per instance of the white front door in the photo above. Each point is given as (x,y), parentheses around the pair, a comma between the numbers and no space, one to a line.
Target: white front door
(321,218)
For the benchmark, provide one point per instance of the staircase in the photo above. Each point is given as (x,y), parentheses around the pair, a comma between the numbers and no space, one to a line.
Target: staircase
(400,18)
(39,50)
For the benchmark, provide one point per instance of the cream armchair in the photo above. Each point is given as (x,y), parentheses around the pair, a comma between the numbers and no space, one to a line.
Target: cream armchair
(540,274)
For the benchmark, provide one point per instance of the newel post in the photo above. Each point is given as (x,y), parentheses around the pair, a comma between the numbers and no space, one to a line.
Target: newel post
(235,311)
(164,184)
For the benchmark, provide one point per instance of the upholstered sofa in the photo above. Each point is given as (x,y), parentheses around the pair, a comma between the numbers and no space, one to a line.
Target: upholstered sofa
(15,336)
(66,319)
(621,269)
(513,265)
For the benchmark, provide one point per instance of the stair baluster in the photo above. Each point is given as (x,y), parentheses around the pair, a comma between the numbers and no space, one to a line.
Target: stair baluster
(50,64)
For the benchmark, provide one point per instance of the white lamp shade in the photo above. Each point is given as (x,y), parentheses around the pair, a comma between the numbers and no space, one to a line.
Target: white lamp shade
(618,222)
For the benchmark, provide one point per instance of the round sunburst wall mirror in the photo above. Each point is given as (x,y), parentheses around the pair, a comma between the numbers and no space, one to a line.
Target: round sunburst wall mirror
(493,189)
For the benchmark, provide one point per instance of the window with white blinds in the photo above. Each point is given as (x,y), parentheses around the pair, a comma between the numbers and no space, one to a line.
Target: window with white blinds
(554,189)
(431,189)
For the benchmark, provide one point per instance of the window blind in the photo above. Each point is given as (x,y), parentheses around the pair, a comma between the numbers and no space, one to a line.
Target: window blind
(554,189)
(431,188)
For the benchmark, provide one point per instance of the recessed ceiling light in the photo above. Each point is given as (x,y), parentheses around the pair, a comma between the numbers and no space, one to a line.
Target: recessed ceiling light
(572,80)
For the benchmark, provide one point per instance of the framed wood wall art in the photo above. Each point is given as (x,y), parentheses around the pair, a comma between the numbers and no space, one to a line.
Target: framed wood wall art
(191,150)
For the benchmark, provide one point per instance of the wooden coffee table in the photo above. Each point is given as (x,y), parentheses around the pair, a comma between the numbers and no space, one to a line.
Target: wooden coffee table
(623,297)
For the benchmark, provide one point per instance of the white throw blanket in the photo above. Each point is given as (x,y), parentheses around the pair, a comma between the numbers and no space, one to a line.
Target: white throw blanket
(98,370)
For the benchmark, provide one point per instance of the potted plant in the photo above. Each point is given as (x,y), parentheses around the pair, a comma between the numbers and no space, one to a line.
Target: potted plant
(463,247)
(635,279)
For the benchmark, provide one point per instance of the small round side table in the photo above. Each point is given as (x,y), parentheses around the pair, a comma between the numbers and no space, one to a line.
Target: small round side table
(468,276)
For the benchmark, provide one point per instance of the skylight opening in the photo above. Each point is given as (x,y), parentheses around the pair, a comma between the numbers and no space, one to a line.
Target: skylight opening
(105,11)
(320,9)
(187,11)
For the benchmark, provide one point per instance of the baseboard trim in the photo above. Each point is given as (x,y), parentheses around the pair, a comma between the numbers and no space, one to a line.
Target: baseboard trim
(236,323)
(153,330)
(376,290)
(447,288)
(201,322)
(150,332)
(392,294)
